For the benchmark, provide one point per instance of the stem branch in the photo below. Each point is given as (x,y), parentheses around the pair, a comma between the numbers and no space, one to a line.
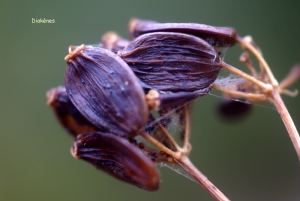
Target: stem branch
(260,58)
(248,96)
(264,86)
(287,120)
(202,179)
(186,141)
(160,146)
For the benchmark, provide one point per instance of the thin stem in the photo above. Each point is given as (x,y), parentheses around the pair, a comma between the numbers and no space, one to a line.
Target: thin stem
(186,142)
(260,58)
(160,146)
(288,92)
(167,134)
(202,179)
(265,87)
(249,96)
(292,77)
(275,95)
(246,60)
(181,157)
(287,120)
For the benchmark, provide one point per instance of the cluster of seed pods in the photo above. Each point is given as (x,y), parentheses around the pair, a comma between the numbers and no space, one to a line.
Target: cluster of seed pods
(111,88)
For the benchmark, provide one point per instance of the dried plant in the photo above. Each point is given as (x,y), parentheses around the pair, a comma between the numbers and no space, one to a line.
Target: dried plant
(112,90)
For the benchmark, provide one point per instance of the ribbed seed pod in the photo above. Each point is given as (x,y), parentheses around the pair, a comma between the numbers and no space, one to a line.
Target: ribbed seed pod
(172,62)
(105,91)
(67,114)
(216,36)
(118,157)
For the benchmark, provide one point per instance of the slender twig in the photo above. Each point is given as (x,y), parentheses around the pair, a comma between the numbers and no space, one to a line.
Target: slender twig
(186,141)
(287,120)
(201,179)
(275,95)
(249,96)
(160,146)
(169,136)
(181,156)
(289,92)
(292,77)
(246,60)
(265,87)
(260,58)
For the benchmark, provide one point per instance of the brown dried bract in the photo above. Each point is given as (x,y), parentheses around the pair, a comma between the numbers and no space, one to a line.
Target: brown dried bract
(118,157)
(106,91)
(216,36)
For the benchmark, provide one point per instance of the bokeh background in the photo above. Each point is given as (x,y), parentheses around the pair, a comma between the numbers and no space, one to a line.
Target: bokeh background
(253,159)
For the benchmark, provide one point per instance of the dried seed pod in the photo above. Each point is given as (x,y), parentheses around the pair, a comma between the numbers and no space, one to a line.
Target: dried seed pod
(216,36)
(173,62)
(232,110)
(113,42)
(67,114)
(105,91)
(118,157)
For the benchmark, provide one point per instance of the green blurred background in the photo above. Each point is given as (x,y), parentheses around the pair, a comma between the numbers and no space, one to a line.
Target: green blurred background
(251,160)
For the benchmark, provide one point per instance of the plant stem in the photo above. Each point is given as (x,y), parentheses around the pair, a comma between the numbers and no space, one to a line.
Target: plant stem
(249,96)
(287,120)
(168,135)
(186,142)
(260,58)
(274,96)
(152,140)
(181,157)
(201,179)
(262,85)
(292,77)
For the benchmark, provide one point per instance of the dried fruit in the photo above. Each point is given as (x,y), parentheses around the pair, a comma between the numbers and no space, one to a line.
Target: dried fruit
(118,157)
(232,110)
(70,118)
(173,63)
(216,36)
(105,91)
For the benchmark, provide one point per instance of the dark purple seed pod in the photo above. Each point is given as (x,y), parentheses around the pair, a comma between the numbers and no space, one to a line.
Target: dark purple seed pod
(118,157)
(216,36)
(233,110)
(172,62)
(67,114)
(105,91)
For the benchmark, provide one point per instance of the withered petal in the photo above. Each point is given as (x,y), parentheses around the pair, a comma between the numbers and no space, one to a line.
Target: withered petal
(118,157)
